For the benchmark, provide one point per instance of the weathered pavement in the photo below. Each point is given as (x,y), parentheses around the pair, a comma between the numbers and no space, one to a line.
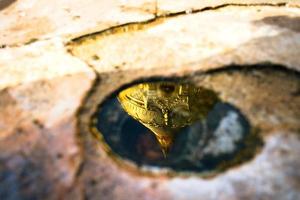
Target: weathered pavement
(59,59)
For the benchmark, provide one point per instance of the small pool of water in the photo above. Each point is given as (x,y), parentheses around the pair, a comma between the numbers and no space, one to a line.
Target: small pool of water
(176,125)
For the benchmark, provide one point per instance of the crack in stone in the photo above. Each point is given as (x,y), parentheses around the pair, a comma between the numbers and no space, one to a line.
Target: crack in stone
(120,28)
(156,17)
(156,8)
(78,135)
(136,26)
(131,26)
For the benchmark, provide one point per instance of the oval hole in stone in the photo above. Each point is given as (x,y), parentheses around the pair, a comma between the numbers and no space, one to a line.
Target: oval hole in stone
(176,125)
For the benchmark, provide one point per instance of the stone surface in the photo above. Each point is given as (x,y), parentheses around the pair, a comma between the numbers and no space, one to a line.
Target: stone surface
(169,6)
(29,20)
(41,90)
(49,90)
(256,97)
(239,35)
(25,21)
(256,180)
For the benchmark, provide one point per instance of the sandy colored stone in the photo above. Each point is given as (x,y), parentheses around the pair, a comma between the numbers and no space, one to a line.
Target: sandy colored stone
(46,101)
(186,44)
(42,87)
(37,62)
(239,35)
(267,176)
(29,20)
(256,180)
(25,21)
(169,6)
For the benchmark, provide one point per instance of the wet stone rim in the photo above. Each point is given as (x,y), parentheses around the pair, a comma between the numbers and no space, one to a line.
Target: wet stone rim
(92,103)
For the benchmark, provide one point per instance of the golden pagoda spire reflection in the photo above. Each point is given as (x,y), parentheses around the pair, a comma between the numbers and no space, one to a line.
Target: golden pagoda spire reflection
(166,107)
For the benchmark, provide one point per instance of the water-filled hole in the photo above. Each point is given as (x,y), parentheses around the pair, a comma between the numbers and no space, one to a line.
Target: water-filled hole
(176,125)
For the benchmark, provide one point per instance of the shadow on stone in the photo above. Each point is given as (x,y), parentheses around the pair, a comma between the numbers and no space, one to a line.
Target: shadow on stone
(292,23)
(5,3)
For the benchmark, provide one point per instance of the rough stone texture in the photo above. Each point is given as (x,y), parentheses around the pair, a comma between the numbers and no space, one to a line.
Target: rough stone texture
(276,87)
(41,90)
(45,155)
(239,35)
(169,6)
(28,20)
(247,181)
(256,180)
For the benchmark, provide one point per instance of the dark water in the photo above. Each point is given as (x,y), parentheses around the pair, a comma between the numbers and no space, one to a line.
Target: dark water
(210,136)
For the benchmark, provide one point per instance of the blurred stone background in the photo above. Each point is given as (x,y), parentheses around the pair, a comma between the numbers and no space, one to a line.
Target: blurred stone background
(52,78)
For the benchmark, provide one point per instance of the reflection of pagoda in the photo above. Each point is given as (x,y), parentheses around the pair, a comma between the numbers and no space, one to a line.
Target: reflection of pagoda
(165,107)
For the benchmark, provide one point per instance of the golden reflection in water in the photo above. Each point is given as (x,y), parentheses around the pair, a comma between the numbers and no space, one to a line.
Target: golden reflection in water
(166,107)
